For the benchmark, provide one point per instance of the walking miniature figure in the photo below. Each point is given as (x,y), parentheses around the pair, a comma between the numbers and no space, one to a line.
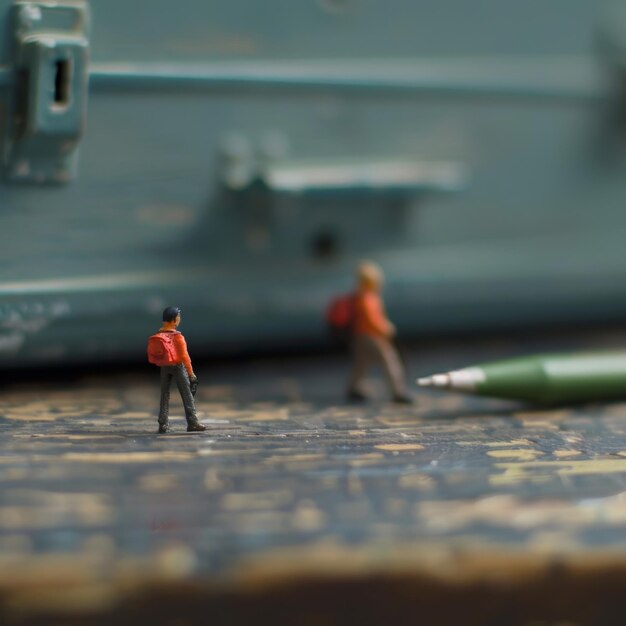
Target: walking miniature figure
(168,350)
(361,316)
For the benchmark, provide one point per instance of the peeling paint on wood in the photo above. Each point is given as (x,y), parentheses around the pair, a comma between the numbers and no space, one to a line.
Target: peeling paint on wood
(92,498)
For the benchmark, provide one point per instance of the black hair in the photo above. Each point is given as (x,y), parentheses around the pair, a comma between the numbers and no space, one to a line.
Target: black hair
(171,313)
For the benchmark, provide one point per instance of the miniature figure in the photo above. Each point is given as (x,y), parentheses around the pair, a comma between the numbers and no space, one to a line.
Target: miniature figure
(371,335)
(168,350)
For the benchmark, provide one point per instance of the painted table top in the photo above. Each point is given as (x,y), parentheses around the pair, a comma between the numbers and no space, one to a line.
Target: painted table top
(455,508)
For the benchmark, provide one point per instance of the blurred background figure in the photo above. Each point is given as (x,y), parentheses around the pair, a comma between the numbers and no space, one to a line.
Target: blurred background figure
(372,340)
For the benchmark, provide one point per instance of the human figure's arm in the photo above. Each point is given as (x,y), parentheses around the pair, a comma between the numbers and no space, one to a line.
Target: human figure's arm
(374,312)
(181,346)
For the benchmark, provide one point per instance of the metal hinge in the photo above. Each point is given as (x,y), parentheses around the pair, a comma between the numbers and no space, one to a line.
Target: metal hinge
(49,106)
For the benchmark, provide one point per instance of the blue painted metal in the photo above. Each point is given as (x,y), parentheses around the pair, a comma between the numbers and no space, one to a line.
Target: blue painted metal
(565,79)
(198,110)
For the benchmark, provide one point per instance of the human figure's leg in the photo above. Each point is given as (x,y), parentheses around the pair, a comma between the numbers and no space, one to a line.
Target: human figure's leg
(362,357)
(164,408)
(182,382)
(392,366)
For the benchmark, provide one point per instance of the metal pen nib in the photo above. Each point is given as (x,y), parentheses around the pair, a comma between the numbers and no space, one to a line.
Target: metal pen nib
(464,380)
(437,380)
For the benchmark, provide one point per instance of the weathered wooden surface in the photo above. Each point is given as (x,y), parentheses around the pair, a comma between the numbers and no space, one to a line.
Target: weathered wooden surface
(295,508)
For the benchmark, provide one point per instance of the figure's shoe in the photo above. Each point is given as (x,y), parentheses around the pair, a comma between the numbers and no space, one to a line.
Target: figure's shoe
(196,427)
(163,428)
(403,398)
(354,395)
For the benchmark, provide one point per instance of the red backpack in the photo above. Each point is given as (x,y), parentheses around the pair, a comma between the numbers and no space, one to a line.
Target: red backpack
(340,316)
(162,350)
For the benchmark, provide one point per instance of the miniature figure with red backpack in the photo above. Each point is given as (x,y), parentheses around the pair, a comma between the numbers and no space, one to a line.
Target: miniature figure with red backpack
(168,350)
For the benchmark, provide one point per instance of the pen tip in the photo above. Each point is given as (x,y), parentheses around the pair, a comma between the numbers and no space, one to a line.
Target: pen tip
(437,380)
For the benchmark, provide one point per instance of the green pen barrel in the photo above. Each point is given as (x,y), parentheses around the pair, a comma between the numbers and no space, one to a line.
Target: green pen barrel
(557,379)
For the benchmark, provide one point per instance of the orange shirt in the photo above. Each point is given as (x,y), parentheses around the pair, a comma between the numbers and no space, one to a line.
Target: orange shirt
(370,318)
(181,349)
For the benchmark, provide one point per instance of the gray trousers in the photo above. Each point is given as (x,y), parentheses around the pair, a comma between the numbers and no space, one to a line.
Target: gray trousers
(367,351)
(179,374)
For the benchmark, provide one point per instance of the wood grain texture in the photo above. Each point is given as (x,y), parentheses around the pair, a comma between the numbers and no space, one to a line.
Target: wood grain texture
(296,508)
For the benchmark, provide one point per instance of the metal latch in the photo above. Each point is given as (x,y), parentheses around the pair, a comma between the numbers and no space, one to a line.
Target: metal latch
(51,82)
(324,207)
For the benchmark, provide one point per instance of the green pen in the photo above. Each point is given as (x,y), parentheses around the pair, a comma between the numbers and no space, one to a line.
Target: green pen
(549,379)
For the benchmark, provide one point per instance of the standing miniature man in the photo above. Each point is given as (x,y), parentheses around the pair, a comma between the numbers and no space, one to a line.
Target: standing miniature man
(372,335)
(168,349)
